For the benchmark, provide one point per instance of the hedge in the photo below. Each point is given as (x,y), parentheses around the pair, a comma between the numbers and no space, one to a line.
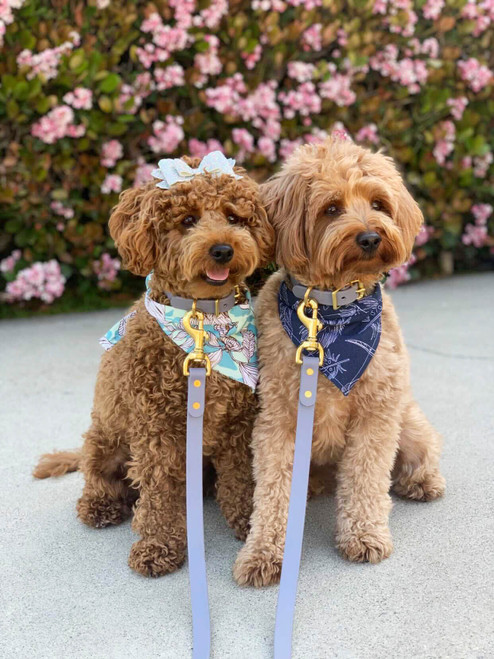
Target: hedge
(94,92)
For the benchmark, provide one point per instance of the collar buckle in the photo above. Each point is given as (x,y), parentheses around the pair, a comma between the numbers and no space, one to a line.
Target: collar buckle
(360,291)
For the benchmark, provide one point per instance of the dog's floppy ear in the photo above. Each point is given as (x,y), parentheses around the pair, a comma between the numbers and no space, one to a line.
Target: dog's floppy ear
(283,196)
(131,228)
(408,217)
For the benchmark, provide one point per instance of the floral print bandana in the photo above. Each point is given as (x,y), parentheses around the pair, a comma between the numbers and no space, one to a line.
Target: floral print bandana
(231,342)
(349,337)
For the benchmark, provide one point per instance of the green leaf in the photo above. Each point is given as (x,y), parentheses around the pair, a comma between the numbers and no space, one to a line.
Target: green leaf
(110,83)
(105,104)
(13,226)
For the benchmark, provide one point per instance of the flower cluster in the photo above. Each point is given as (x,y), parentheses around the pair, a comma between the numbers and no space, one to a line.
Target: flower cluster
(93,99)
(476,234)
(106,269)
(58,123)
(42,280)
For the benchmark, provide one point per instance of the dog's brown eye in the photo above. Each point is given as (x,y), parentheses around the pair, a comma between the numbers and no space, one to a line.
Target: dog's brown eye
(378,205)
(333,210)
(233,219)
(189,221)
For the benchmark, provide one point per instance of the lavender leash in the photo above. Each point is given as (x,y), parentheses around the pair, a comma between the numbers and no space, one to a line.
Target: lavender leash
(296,510)
(195,517)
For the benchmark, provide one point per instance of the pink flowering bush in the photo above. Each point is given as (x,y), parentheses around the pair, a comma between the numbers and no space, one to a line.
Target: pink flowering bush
(42,280)
(93,95)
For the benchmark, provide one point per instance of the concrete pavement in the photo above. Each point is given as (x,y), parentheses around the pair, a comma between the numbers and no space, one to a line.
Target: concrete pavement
(66,590)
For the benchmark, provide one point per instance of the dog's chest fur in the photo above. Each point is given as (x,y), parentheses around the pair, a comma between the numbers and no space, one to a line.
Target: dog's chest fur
(384,377)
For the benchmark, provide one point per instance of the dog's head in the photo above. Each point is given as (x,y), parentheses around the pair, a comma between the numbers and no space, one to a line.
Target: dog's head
(201,237)
(340,212)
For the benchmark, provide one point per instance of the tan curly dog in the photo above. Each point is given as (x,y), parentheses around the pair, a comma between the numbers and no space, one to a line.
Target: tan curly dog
(134,451)
(320,201)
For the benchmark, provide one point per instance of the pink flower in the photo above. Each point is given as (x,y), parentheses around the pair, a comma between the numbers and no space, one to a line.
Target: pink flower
(481,164)
(301,71)
(424,235)
(400,275)
(65,211)
(45,64)
(475,235)
(368,134)
(432,9)
(252,58)
(305,100)
(111,152)
(312,38)
(143,173)
(457,106)
(267,148)
(8,264)
(243,138)
(81,98)
(481,213)
(198,149)
(107,270)
(172,76)
(57,124)
(112,183)
(42,280)
(446,143)
(475,74)
(167,135)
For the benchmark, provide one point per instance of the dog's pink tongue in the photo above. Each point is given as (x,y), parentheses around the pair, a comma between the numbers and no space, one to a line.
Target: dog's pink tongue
(218,274)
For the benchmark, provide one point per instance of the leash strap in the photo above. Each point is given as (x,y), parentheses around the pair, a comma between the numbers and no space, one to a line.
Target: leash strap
(296,511)
(195,517)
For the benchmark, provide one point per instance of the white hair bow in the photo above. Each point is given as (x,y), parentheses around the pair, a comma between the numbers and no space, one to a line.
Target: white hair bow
(175,170)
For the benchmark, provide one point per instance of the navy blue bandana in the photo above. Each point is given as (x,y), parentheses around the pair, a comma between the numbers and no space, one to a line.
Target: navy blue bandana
(349,337)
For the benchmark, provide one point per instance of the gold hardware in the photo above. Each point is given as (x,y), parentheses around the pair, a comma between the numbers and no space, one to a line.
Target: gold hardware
(197,383)
(360,292)
(216,307)
(198,334)
(196,405)
(310,371)
(238,295)
(308,394)
(313,325)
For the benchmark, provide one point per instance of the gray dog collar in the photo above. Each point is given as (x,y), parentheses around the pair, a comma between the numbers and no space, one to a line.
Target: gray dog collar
(214,307)
(339,297)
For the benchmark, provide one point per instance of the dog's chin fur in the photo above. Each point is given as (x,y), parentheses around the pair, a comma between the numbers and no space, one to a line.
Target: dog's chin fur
(375,434)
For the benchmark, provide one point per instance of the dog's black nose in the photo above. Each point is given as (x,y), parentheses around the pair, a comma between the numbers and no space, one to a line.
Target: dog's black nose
(369,241)
(221,253)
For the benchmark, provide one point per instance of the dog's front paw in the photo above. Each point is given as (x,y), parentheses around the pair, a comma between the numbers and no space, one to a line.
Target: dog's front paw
(152,558)
(364,545)
(99,512)
(257,568)
(420,487)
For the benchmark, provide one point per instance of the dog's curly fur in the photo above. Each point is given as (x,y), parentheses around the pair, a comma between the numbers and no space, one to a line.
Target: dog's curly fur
(323,197)
(134,451)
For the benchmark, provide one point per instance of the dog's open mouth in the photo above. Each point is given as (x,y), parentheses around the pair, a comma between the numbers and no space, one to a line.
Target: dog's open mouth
(217,276)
